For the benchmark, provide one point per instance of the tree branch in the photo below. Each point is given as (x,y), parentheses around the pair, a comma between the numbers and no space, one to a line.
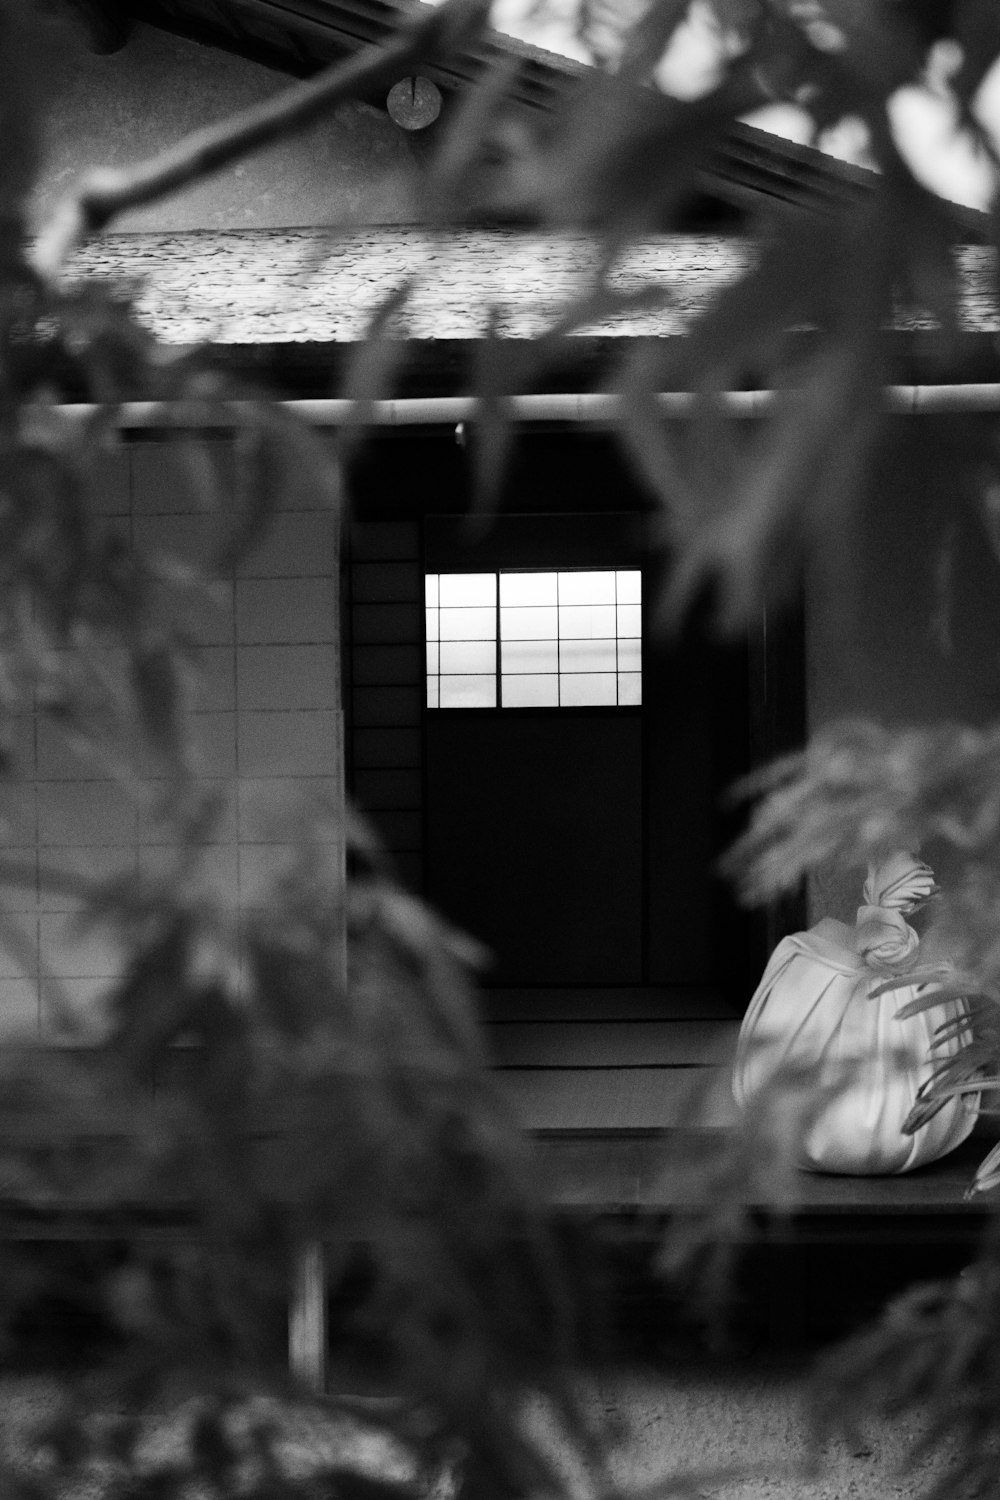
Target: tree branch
(104,194)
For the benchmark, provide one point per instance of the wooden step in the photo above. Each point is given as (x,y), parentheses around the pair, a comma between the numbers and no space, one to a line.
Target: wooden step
(607,1044)
(672,1171)
(609,1099)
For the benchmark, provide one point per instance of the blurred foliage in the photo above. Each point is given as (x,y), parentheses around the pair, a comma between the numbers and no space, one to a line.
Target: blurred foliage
(251,1082)
(933,1351)
(809,320)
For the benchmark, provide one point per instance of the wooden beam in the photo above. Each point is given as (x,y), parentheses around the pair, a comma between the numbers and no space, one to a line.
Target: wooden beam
(195,283)
(307,1317)
(307,1324)
(105,23)
(413,103)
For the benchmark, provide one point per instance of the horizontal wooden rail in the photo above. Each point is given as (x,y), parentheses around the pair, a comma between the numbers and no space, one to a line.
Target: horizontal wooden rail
(594,407)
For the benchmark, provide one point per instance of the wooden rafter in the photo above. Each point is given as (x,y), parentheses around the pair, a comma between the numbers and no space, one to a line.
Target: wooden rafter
(106,23)
(301,36)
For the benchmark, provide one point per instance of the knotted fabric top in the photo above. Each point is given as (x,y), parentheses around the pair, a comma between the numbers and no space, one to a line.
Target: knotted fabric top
(898,884)
(883,939)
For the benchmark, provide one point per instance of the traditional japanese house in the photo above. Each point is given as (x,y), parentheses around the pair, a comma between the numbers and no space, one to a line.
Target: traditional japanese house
(542,760)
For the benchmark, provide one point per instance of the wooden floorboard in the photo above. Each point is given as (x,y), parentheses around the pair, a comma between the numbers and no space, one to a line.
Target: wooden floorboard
(609,1099)
(661,1175)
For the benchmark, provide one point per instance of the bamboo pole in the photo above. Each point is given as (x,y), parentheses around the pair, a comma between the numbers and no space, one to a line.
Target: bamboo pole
(596,407)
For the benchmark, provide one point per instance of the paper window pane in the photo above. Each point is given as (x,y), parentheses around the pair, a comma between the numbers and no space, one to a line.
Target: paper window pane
(468,589)
(630,619)
(587,621)
(529,624)
(535,690)
(582,689)
(629,655)
(629,586)
(529,656)
(468,624)
(468,656)
(587,656)
(587,588)
(629,689)
(517,589)
(565,639)
(469,692)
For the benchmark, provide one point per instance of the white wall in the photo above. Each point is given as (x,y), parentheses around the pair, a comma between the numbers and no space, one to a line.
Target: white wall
(116,110)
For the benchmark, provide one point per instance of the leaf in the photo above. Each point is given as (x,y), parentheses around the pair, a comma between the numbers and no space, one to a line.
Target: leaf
(987,1177)
(491,432)
(796,482)
(739,510)
(26,875)
(67,1439)
(122,1438)
(648,38)
(624,158)
(156,685)
(24,89)
(167,1483)
(373,365)
(937,994)
(256,487)
(925,235)
(152,1005)
(746,325)
(19,947)
(212,1452)
(976,29)
(283,464)
(18,1486)
(472,123)
(505,367)
(350,1484)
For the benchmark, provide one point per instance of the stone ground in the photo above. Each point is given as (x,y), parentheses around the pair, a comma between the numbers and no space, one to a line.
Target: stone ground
(735,1431)
(747,1423)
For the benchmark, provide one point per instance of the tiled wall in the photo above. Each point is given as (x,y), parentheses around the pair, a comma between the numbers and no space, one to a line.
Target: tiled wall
(265,716)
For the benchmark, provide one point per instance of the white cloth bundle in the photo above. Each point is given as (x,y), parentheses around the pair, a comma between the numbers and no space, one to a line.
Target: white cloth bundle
(813,1021)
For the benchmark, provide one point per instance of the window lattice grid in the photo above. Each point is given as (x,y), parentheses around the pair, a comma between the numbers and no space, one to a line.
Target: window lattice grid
(567,638)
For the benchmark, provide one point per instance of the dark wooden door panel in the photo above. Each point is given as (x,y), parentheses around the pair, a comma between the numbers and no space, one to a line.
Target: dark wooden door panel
(534,841)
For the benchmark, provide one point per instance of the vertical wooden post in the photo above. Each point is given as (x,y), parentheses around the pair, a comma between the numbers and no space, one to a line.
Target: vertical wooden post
(307,1331)
(307,1317)
(778,725)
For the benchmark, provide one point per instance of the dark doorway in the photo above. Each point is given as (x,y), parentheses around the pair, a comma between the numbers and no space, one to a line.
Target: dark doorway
(580,845)
(534,840)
